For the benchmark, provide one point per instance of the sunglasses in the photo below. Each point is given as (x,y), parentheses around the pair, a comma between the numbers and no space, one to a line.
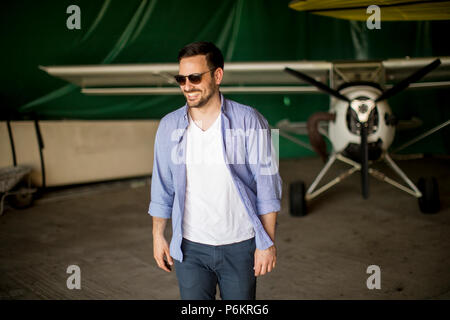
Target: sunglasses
(194,78)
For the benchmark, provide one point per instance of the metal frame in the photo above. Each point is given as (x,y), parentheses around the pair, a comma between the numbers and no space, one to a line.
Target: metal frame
(10,177)
(312,193)
(345,72)
(20,191)
(423,135)
(410,187)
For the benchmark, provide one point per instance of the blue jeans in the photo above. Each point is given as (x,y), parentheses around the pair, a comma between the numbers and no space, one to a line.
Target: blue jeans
(204,266)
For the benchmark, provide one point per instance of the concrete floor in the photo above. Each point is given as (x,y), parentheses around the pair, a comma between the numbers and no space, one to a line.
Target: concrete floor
(106,231)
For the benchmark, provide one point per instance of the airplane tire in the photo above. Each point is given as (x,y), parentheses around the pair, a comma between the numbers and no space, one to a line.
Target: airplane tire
(429,202)
(297,199)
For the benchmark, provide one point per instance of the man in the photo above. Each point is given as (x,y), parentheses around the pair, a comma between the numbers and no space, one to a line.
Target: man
(211,176)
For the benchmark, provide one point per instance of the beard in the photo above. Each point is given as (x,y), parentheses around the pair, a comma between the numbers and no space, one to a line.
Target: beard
(212,89)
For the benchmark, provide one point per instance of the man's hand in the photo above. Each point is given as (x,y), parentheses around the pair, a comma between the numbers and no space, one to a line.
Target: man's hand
(161,251)
(265,260)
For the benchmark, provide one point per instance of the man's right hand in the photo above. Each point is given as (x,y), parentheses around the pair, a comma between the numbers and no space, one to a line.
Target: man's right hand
(161,253)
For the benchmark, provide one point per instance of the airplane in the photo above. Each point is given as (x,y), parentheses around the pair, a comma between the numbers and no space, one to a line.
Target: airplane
(360,124)
(361,128)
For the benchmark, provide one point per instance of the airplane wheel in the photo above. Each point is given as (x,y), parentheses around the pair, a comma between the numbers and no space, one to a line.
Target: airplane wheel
(297,199)
(429,202)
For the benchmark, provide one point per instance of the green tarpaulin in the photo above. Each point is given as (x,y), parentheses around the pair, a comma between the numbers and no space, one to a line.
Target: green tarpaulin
(144,31)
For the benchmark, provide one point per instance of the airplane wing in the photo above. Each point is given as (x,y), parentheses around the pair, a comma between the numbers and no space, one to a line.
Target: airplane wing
(398,69)
(249,77)
(239,77)
(391,10)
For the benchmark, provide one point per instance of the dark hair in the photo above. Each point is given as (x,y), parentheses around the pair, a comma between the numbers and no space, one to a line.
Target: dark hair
(214,56)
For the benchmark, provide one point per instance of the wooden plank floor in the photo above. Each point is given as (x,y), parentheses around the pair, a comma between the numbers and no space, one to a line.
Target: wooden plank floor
(106,231)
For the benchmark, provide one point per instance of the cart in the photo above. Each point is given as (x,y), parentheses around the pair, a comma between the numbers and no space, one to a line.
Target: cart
(12,183)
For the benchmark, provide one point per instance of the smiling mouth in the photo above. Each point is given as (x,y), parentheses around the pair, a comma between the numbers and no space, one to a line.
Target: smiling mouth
(192,95)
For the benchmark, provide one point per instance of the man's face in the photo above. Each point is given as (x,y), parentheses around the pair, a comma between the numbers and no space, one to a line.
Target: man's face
(197,95)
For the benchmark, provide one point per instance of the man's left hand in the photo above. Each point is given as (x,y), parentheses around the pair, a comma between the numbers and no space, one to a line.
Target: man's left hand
(265,260)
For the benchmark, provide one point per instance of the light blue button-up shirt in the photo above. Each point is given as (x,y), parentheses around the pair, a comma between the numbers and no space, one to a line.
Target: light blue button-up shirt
(248,153)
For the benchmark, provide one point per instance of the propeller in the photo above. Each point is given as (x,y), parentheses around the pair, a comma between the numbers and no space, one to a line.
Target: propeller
(363,111)
(402,85)
(317,84)
(364,161)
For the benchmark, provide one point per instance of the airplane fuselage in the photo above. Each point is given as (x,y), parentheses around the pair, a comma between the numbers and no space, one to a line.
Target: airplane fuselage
(345,130)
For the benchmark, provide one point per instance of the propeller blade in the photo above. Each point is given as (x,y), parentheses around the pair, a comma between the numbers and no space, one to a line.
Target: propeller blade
(317,84)
(416,76)
(364,161)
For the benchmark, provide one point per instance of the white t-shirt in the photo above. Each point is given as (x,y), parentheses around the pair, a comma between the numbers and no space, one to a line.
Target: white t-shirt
(214,213)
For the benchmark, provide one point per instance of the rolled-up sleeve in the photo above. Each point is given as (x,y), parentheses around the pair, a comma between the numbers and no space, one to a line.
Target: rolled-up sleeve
(162,191)
(265,167)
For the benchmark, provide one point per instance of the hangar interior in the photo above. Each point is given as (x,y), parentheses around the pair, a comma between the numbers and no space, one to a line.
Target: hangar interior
(91,156)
